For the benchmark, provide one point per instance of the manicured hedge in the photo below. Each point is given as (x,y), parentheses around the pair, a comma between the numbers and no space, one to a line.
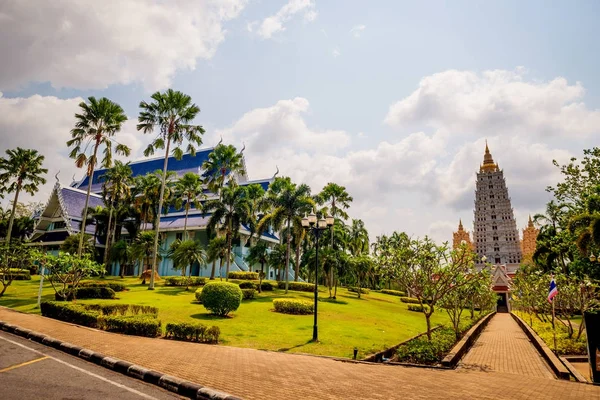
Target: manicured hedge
(117,287)
(198,294)
(297,286)
(244,275)
(122,309)
(221,298)
(411,300)
(193,332)
(69,312)
(248,285)
(423,351)
(393,292)
(417,307)
(88,293)
(355,290)
(19,274)
(268,286)
(248,294)
(185,281)
(293,306)
(139,325)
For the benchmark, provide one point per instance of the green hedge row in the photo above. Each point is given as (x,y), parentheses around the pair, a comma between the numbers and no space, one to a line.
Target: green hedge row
(423,351)
(355,290)
(185,281)
(417,307)
(248,294)
(117,287)
(68,312)
(393,292)
(265,285)
(122,309)
(193,332)
(410,300)
(293,306)
(297,286)
(198,294)
(87,293)
(244,275)
(139,325)
(18,274)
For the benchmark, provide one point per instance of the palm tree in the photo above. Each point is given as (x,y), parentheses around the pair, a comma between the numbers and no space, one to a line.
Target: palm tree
(120,253)
(172,113)
(186,253)
(98,122)
(277,258)
(358,238)
(587,226)
(223,160)
(189,189)
(259,254)
(116,189)
(292,202)
(71,244)
(228,213)
(147,190)
(217,250)
(142,249)
(98,216)
(20,170)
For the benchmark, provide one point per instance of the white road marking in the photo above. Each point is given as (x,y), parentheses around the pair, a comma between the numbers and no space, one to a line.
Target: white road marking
(83,370)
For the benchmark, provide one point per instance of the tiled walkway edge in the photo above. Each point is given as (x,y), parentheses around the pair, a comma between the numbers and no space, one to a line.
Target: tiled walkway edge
(171,383)
(461,348)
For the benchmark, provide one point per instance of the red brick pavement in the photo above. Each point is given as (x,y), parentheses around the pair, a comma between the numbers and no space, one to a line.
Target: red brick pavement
(504,347)
(255,374)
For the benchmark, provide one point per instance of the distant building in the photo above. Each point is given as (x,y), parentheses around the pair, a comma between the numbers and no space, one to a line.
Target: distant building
(461,236)
(62,217)
(529,242)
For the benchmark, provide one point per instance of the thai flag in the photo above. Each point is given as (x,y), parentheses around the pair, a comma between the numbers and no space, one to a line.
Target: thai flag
(553,290)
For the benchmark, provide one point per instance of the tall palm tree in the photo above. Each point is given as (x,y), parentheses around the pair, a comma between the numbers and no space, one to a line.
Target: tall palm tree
(172,113)
(116,189)
(358,238)
(20,170)
(142,249)
(186,253)
(292,202)
(120,253)
(277,257)
(259,254)
(228,214)
(147,190)
(98,216)
(95,126)
(188,191)
(223,160)
(217,250)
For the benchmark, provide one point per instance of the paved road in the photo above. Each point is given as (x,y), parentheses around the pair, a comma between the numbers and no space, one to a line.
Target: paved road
(504,347)
(29,370)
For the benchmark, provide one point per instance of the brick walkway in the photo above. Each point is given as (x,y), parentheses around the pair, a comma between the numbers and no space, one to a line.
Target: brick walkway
(504,347)
(255,374)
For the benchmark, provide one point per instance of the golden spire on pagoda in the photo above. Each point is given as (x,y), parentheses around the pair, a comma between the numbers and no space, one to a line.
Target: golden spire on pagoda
(528,244)
(461,236)
(488,162)
(530,223)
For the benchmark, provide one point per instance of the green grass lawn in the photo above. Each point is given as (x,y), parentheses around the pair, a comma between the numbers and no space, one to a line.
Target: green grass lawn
(373,323)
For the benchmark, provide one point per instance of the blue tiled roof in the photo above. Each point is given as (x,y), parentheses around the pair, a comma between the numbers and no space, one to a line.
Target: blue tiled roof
(188,163)
(262,182)
(74,201)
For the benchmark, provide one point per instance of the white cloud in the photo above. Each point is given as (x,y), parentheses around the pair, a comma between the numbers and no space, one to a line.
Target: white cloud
(90,45)
(275,23)
(496,102)
(357,30)
(336,52)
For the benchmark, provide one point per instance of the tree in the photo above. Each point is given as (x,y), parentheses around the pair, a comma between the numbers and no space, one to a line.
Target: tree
(65,271)
(172,113)
(13,259)
(142,249)
(259,254)
(71,245)
(586,226)
(277,257)
(116,189)
(217,250)
(361,266)
(186,253)
(288,202)
(20,170)
(97,123)
(223,160)
(228,213)
(188,190)
(120,253)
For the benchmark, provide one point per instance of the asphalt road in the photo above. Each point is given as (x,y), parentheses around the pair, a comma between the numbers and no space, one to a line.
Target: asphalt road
(29,370)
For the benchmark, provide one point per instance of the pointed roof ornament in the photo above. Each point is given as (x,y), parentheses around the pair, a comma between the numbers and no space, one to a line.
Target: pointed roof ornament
(243,148)
(488,162)
(530,222)
(56,176)
(276,173)
(460,225)
(220,141)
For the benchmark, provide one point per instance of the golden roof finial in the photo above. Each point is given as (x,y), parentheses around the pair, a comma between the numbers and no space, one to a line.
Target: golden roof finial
(460,225)
(530,223)
(488,161)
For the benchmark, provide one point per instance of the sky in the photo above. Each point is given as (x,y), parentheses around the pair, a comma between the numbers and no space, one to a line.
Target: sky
(392,99)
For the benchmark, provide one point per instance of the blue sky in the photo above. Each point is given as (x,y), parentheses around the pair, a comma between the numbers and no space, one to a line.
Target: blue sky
(310,85)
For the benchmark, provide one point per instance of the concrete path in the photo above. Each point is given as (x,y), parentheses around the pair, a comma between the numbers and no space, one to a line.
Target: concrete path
(504,347)
(255,374)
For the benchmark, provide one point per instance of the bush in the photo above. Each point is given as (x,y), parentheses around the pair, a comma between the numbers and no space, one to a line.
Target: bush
(244,275)
(293,306)
(221,298)
(248,285)
(87,293)
(393,292)
(139,325)
(122,309)
(423,351)
(268,286)
(198,294)
(248,294)
(117,287)
(417,307)
(212,334)
(73,313)
(19,274)
(193,332)
(411,300)
(355,290)
(298,286)
(185,281)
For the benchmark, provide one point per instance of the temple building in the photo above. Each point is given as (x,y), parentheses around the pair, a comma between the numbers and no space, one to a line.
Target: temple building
(495,235)
(62,216)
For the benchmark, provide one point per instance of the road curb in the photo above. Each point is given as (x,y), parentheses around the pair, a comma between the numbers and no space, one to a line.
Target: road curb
(168,382)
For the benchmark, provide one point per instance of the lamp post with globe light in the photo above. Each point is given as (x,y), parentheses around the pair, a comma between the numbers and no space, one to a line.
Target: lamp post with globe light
(310,223)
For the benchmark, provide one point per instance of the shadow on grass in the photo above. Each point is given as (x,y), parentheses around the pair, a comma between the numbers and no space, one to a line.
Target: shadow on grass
(174,290)
(13,302)
(209,317)
(285,349)
(334,301)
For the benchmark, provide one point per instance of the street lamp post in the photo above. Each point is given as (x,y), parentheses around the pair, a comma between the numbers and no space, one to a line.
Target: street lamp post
(311,224)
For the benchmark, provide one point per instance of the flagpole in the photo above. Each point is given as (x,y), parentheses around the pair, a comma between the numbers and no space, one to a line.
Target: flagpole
(553,327)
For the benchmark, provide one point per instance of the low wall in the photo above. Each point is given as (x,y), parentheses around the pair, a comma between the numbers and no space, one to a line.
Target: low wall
(389,353)
(464,344)
(555,364)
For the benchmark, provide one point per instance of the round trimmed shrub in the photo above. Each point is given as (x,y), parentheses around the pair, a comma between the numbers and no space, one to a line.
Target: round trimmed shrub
(247,285)
(198,295)
(248,294)
(221,298)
